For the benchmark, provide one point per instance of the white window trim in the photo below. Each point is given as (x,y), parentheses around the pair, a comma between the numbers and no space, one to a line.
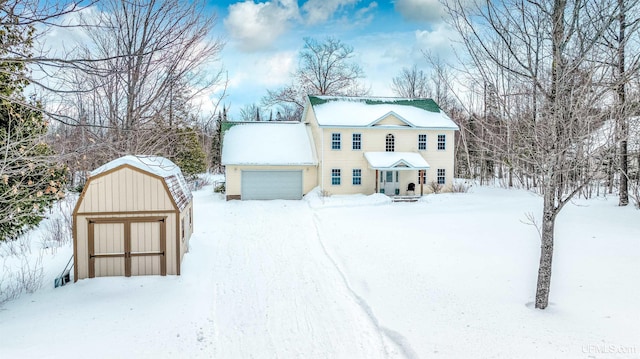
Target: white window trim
(443,142)
(339,177)
(426,142)
(339,141)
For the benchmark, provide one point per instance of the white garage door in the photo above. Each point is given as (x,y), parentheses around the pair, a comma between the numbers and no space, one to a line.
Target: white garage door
(271,185)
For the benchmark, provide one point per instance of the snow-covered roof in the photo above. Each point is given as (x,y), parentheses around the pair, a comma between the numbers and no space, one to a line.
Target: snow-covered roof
(268,143)
(158,166)
(367,112)
(396,160)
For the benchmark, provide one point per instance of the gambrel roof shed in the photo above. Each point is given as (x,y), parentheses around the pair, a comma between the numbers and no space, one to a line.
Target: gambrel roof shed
(134,217)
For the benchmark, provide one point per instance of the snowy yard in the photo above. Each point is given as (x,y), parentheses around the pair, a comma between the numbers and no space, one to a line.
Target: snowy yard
(451,276)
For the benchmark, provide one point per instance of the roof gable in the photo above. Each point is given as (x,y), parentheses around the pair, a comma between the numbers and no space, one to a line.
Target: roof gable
(159,167)
(396,160)
(391,119)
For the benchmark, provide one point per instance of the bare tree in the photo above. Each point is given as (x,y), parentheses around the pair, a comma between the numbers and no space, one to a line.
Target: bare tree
(555,71)
(252,112)
(324,69)
(411,83)
(625,66)
(151,59)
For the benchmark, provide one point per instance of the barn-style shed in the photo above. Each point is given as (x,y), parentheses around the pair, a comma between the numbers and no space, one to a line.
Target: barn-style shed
(134,217)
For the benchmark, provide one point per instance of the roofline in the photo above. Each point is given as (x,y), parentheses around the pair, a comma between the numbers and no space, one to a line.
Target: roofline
(400,168)
(270,164)
(264,122)
(392,127)
(390,98)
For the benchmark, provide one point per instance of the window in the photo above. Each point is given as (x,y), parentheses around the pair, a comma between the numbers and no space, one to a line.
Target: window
(357,176)
(335,177)
(182,228)
(422,142)
(440,175)
(390,143)
(335,141)
(357,141)
(422,177)
(442,142)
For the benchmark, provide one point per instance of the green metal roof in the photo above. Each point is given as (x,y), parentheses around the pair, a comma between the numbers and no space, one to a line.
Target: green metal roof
(426,104)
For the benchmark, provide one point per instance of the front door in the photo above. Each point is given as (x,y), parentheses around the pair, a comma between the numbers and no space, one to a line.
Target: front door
(389,182)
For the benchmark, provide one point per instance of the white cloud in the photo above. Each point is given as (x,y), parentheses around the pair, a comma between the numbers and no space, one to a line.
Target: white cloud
(318,11)
(277,69)
(420,10)
(257,26)
(440,42)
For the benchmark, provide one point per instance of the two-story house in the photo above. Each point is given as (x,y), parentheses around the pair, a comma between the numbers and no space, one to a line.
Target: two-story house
(344,145)
(385,145)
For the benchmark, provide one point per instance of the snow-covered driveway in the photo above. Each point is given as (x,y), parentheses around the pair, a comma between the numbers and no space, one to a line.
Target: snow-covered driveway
(354,277)
(277,293)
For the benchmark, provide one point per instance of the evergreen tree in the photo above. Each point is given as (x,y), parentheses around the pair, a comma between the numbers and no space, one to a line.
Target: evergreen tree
(189,154)
(30,182)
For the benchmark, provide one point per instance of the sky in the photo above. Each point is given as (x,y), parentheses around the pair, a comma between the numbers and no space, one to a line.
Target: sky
(263,40)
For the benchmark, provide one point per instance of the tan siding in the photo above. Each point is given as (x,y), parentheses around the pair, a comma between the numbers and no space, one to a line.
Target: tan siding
(125,190)
(171,245)
(391,120)
(374,140)
(232,180)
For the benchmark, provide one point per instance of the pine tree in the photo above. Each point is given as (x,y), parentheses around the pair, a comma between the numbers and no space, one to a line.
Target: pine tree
(30,182)
(189,154)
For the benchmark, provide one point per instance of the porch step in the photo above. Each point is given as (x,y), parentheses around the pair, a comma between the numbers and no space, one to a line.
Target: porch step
(405,198)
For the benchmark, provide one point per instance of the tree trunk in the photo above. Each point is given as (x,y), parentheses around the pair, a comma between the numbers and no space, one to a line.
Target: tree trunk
(624,129)
(546,251)
(624,172)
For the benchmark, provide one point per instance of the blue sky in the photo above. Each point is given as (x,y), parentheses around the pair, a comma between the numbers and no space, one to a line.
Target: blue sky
(264,38)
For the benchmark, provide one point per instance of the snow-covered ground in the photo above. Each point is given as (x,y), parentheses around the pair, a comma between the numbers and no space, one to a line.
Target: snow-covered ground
(451,276)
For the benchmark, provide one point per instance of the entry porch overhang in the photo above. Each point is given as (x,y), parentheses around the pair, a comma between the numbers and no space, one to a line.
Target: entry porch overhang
(396,161)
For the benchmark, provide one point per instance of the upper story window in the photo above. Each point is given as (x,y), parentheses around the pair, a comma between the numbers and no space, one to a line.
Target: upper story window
(357,141)
(390,143)
(335,141)
(422,142)
(442,142)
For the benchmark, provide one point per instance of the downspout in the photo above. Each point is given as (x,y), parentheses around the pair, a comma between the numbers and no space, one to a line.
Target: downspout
(322,160)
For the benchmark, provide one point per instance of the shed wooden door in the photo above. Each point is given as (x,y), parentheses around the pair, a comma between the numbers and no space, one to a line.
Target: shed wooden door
(147,248)
(107,252)
(127,246)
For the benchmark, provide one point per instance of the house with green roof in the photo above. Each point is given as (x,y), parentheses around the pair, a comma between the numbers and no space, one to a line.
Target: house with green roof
(351,145)
(394,146)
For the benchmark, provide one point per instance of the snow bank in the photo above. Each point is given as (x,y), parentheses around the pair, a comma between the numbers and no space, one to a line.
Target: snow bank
(315,199)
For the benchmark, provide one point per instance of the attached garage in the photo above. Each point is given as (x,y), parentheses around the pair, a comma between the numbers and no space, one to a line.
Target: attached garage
(272,160)
(134,217)
(271,184)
